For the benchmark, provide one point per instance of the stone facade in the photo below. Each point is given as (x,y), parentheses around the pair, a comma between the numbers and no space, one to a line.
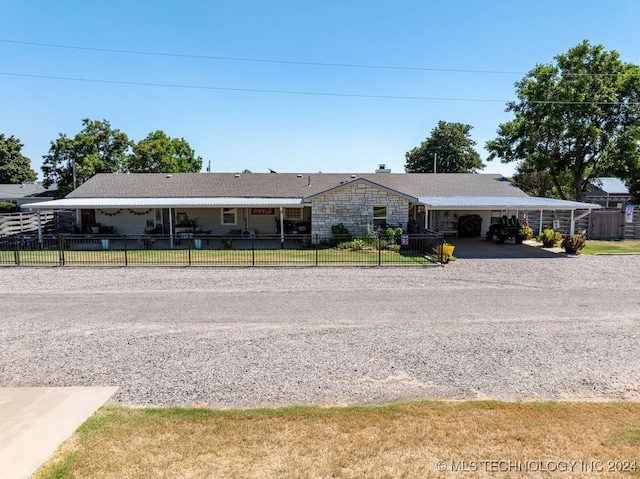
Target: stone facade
(353,207)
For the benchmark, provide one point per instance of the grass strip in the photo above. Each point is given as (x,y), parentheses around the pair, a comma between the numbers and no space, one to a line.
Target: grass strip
(182,257)
(611,247)
(412,440)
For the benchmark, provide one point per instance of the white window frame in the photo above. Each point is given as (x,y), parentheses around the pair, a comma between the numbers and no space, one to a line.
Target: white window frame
(233,211)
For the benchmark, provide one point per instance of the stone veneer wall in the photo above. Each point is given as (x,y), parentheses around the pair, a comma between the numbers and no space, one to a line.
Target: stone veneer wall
(353,207)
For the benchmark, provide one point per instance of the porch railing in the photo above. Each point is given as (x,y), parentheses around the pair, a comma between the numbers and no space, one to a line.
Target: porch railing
(219,250)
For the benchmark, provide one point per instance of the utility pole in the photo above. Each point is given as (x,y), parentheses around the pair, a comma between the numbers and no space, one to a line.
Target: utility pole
(435,160)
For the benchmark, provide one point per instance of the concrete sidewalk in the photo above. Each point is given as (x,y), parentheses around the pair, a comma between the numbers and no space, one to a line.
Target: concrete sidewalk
(35,421)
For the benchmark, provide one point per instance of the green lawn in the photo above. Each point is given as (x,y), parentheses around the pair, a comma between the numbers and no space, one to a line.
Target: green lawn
(183,257)
(621,246)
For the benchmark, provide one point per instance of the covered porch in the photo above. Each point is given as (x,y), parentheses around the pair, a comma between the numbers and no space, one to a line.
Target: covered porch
(179,218)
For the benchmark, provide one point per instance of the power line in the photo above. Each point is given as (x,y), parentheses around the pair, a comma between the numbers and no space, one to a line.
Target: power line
(260,60)
(309,93)
(291,62)
(250,90)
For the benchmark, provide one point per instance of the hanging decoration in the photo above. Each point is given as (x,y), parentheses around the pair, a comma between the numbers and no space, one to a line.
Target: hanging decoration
(137,213)
(106,213)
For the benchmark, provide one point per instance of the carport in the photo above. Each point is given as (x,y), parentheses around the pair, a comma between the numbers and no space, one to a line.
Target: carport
(488,207)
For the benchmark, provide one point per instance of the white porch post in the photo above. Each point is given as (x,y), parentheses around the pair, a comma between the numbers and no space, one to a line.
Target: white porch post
(170,229)
(281,227)
(572,229)
(39,228)
(540,223)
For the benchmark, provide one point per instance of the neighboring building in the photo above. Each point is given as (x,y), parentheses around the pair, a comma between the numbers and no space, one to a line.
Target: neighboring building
(609,193)
(23,193)
(266,203)
(619,218)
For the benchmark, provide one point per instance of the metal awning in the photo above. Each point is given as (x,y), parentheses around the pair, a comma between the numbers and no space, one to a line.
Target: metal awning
(502,203)
(227,202)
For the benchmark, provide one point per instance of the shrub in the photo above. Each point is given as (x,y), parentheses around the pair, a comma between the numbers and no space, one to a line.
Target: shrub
(339,230)
(573,244)
(147,241)
(7,207)
(227,241)
(549,238)
(355,245)
(370,237)
(394,247)
(527,232)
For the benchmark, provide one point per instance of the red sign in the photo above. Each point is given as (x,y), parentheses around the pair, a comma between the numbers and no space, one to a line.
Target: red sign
(262,211)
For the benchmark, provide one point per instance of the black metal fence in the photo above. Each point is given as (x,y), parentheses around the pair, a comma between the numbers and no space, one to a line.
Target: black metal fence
(220,250)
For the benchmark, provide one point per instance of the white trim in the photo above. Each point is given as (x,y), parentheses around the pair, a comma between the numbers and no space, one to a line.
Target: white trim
(502,203)
(230,211)
(230,202)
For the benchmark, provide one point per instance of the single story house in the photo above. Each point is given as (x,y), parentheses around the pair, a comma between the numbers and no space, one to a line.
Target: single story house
(290,203)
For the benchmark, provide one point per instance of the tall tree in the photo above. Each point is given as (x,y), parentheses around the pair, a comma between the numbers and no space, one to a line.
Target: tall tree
(535,182)
(574,119)
(97,148)
(14,166)
(158,153)
(455,151)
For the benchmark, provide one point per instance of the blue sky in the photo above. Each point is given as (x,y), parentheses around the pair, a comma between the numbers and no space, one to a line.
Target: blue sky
(468,54)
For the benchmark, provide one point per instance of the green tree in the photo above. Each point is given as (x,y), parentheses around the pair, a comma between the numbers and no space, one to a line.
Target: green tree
(158,153)
(455,151)
(14,166)
(97,148)
(575,120)
(535,182)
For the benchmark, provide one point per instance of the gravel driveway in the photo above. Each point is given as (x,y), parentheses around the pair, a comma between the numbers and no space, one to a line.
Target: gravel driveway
(564,328)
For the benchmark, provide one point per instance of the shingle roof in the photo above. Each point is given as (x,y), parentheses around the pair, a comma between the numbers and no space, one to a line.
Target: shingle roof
(27,190)
(287,185)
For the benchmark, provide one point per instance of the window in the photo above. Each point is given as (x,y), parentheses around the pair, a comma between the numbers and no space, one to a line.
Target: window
(379,216)
(229,216)
(293,213)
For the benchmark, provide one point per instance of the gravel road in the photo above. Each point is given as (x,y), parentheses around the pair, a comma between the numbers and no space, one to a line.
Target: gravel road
(562,328)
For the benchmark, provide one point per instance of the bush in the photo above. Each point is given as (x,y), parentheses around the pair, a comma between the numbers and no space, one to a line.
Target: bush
(549,238)
(339,230)
(527,232)
(355,245)
(573,244)
(370,237)
(7,207)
